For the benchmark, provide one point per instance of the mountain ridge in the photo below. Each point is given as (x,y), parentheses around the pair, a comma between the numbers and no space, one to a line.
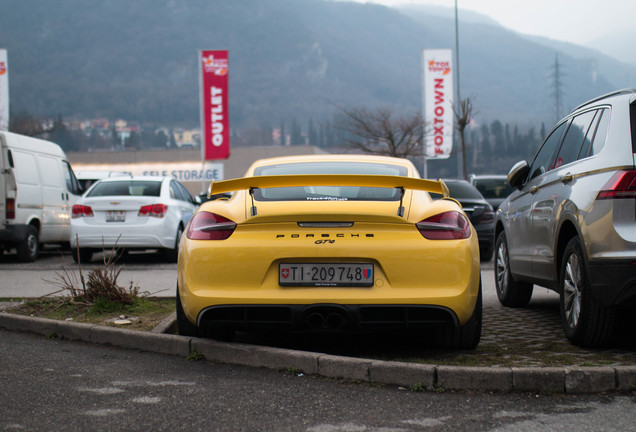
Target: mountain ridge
(289,59)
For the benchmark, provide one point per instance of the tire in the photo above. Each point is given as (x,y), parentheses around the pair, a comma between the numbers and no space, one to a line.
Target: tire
(172,255)
(485,255)
(466,336)
(82,255)
(585,322)
(510,292)
(29,248)
(184,326)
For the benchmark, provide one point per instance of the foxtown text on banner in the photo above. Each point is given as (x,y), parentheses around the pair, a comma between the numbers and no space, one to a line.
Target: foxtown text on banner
(4,90)
(438,104)
(215,120)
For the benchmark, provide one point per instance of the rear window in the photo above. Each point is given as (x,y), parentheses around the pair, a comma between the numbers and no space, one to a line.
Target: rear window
(493,188)
(329,193)
(126,188)
(461,190)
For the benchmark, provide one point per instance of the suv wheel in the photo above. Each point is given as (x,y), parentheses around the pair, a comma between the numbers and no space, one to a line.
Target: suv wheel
(585,322)
(510,292)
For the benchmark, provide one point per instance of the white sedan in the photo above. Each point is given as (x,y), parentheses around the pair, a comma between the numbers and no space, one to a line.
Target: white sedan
(130,213)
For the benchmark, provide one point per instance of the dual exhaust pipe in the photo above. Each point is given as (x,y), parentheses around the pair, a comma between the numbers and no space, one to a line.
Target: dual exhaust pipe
(334,320)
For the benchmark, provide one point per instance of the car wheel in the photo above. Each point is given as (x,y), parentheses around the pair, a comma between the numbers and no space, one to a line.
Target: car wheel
(466,336)
(485,255)
(510,292)
(184,326)
(29,248)
(120,254)
(82,255)
(173,254)
(585,322)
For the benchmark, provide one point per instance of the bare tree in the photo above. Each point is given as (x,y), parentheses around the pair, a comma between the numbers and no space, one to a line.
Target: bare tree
(382,132)
(463,115)
(25,124)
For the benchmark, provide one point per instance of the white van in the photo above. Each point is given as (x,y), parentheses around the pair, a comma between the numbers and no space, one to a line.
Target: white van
(37,191)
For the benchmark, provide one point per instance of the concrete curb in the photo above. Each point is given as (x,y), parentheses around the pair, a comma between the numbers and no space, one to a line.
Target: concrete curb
(571,380)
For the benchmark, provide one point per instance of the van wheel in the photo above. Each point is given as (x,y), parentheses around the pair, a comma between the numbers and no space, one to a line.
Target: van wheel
(29,248)
(82,255)
(585,322)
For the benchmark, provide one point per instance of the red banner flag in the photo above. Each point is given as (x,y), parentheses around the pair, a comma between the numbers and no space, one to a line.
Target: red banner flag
(214,105)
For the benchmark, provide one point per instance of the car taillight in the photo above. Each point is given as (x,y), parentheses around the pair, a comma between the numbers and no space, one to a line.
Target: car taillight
(81,211)
(487,217)
(10,208)
(451,225)
(154,210)
(621,185)
(209,226)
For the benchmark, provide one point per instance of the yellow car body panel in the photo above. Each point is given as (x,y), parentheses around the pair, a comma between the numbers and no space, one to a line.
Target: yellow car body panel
(409,269)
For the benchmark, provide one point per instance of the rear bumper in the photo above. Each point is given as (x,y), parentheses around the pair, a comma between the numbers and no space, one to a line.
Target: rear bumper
(326,317)
(614,283)
(12,234)
(148,237)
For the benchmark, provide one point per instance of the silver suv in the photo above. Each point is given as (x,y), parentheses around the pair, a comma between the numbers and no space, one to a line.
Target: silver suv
(571,224)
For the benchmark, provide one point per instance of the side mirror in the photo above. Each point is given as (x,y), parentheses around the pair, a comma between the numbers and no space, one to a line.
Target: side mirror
(518,174)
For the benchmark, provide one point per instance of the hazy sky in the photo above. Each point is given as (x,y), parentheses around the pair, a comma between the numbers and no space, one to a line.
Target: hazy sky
(578,21)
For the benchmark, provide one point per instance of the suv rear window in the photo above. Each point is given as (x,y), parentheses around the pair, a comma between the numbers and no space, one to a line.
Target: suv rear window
(126,188)
(329,193)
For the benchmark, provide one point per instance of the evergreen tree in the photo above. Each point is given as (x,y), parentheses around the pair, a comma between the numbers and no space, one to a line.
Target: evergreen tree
(62,136)
(497,132)
(282,133)
(312,136)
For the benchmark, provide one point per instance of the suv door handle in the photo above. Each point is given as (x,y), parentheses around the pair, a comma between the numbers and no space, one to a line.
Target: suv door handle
(567,178)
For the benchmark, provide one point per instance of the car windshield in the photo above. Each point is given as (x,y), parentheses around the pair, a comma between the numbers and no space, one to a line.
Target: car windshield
(126,188)
(461,190)
(329,193)
(493,188)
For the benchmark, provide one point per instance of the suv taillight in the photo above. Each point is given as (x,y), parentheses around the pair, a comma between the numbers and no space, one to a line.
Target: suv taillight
(154,210)
(81,211)
(621,185)
(450,225)
(210,226)
(10,208)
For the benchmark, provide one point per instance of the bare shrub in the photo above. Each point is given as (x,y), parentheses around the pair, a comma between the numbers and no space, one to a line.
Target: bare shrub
(101,283)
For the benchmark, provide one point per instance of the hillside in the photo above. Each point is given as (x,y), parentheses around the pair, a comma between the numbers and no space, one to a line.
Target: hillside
(288,59)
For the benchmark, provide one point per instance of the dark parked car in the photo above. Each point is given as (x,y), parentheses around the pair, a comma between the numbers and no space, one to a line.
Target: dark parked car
(495,188)
(571,224)
(479,211)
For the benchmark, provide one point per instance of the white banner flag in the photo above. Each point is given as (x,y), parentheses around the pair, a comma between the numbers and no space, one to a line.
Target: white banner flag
(4,90)
(437,77)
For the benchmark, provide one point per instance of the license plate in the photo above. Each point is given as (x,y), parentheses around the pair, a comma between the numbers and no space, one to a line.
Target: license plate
(115,216)
(326,275)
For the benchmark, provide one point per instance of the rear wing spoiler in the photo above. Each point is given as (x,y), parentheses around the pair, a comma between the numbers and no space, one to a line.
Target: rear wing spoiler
(384,181)
(300,180)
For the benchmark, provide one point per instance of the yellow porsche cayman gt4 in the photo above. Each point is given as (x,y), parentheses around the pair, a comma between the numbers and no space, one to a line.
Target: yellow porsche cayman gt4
(330,243)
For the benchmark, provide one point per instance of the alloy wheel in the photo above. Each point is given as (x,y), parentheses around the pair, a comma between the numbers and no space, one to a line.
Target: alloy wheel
(572,291)
(501,266)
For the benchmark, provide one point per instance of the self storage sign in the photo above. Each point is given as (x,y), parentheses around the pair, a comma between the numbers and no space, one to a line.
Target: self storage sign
(215,117)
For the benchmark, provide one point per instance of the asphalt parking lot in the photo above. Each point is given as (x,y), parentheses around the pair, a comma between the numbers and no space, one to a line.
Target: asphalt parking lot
(526,337)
